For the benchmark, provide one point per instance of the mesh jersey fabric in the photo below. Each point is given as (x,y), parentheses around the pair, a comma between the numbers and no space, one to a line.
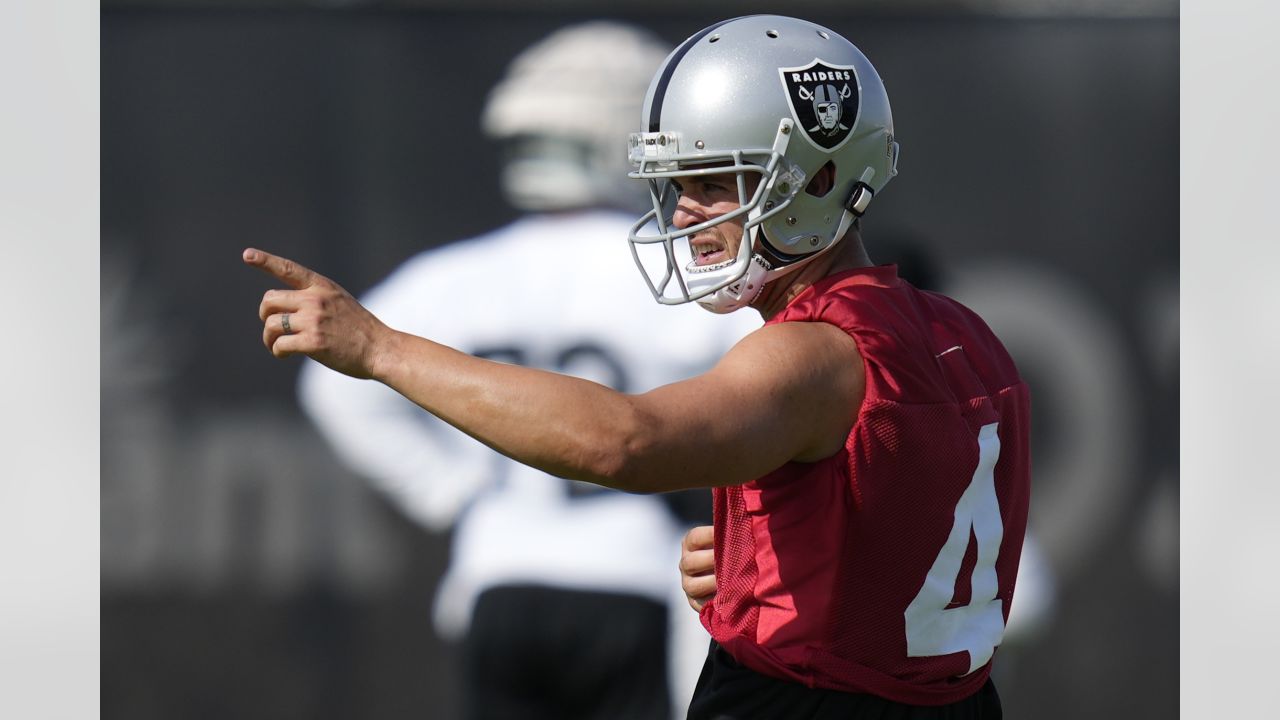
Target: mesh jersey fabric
(816,563)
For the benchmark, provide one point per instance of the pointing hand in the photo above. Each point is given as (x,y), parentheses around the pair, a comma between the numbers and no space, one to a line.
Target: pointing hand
(317,317)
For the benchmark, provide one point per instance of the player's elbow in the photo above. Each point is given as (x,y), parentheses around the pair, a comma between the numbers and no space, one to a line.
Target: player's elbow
(622,459)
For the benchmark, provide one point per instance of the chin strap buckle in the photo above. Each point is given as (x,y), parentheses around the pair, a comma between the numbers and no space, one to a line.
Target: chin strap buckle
(859,199)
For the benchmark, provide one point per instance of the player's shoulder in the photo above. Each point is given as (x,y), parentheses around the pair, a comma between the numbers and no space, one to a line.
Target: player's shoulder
(962,326)
(893,309)
(959,314)
(801,346)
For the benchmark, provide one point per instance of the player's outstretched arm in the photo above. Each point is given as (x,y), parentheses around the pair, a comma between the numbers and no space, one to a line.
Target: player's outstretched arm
(786,392)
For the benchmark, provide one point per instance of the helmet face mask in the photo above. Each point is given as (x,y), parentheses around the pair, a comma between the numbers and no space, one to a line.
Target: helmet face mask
(769,95)
(659,161)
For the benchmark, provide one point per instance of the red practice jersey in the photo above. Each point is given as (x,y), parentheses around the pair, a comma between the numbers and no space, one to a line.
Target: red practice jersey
(889,567)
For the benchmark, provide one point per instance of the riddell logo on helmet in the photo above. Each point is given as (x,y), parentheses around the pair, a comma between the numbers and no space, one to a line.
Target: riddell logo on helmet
(823,100)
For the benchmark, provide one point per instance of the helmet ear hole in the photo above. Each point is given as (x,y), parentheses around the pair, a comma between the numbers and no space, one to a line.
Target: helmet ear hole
(822,181)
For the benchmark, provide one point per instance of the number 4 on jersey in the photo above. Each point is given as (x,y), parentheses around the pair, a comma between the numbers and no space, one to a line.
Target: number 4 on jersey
(933,628)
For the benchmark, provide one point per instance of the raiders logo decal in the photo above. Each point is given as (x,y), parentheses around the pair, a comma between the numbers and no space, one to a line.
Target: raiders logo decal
(824,101)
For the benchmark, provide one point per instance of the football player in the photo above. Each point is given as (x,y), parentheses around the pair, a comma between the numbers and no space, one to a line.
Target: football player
(868,447)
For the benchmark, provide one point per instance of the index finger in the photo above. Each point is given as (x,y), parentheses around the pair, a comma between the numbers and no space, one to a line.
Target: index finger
(287,271)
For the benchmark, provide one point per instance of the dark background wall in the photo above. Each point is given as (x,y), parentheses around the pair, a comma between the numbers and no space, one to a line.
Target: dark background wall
(244,574)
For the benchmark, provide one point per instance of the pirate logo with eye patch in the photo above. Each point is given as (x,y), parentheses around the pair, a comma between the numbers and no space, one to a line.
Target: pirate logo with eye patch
(824,101)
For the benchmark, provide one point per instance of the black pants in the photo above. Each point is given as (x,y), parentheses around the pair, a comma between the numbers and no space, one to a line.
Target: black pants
(727,690)
(538,652)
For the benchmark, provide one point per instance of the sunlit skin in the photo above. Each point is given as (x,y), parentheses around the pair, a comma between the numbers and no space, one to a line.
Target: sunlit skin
(698,566)
(705,197)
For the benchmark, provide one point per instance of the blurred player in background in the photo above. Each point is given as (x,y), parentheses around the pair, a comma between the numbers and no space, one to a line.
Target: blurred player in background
(564,593)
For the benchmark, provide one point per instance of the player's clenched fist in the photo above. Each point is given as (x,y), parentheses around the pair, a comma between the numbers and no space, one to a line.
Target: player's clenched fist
(316,318)
(698,566)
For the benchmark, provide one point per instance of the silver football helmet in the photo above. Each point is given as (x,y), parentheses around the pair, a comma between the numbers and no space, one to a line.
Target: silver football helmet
(776,97)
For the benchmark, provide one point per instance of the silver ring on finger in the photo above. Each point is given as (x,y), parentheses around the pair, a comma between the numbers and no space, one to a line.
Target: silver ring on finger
(284,323)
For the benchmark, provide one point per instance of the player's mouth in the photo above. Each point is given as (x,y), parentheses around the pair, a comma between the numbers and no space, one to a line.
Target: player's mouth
(708,252)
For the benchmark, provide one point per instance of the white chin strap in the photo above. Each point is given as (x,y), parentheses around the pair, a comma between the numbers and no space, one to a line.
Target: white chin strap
(740,293)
